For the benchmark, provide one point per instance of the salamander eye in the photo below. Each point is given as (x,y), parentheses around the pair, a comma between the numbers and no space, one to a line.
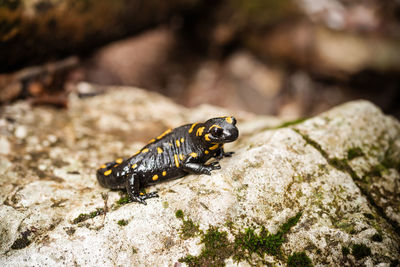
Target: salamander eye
(217,132)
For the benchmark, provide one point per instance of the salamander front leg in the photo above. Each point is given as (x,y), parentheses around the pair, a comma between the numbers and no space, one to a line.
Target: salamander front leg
(133,189)
(221,153)
(198,168)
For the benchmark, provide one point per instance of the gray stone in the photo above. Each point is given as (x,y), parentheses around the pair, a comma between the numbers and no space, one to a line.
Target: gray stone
(48,180)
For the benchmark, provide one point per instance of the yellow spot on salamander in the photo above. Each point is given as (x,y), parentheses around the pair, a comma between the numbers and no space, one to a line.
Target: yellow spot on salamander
(155,177)
(141,193)
(164,173)
(181,156)
(134,166)
(176,160)
(193,154)
(206,151)
(178,144)
(214,125)
(192,127)
(214,147)
(207,137)
(107,172)
(115,165)
(159,150)
(152,141)
(182,140)
(200,131)
(119,161)
(229,120)
(103,166)
(137,152)
(164,133)
(145,150)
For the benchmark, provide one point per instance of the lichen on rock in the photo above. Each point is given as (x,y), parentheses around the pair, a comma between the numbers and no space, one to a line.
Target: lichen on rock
(324,168)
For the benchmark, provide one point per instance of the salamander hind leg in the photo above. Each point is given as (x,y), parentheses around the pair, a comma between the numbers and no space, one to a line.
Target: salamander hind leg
(133,189)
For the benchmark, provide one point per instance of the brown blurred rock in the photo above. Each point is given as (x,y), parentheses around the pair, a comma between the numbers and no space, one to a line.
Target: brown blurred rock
(241,82)
(138,61)
(328,52)
(38,82)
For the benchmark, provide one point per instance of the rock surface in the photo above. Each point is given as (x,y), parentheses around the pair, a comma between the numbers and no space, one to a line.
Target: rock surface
(329,186)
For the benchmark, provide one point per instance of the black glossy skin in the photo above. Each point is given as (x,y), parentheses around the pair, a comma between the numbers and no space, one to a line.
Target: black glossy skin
(173,154)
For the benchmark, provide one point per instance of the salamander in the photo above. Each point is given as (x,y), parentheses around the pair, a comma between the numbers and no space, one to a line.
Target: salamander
(171,155)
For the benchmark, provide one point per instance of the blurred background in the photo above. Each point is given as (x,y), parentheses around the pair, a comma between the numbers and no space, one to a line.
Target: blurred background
(290,58)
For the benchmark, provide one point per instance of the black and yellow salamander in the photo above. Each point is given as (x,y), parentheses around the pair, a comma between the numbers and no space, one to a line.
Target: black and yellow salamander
(173,154)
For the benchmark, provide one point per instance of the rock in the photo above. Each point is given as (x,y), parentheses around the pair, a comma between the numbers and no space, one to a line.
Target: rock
(296,187)
(20,132)
(370,156)
(136,61)
(327,52)
(4,145)
(243,82)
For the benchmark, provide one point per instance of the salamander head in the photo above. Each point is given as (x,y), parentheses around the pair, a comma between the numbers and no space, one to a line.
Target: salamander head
(221,130)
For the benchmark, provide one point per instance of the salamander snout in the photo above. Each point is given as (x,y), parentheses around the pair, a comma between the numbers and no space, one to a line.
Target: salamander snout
(222,130)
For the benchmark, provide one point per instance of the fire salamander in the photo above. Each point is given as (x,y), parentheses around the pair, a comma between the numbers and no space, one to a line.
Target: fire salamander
(173,154)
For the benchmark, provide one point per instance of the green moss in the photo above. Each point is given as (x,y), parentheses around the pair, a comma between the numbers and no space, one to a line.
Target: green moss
(343,165)
(377,237)
(345,251)
(216,249)
(354,152)
(246,242)
(290,223)
(189,228)
(123,200)
(179,214)
(249,242)
(376,171)
(299,259)
(389,163)
(347,227)
(360,251)
(290,123)
(122,222)
(82,217)
(70,230)
(85,216)
(191,260)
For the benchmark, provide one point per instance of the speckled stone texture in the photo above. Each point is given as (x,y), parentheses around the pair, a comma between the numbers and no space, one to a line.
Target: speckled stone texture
(340,169)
